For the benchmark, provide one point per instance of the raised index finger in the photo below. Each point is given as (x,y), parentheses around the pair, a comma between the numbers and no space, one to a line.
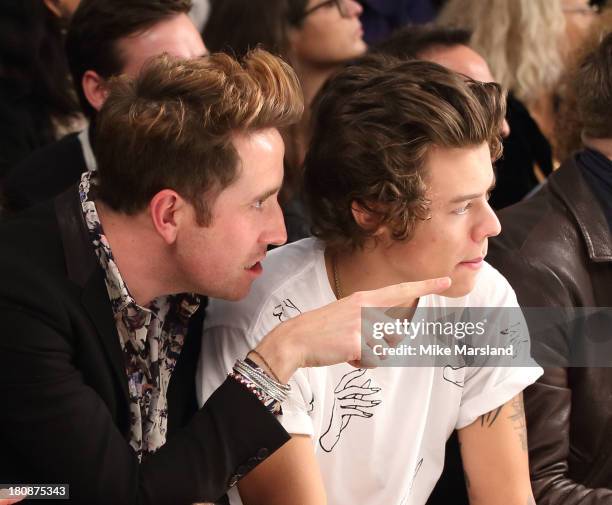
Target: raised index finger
(398,294)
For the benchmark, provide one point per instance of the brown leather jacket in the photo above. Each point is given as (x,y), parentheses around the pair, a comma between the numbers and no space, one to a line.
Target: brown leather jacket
(556,250)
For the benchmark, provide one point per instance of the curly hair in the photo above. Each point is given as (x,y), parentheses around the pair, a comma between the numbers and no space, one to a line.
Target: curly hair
(374,124)
(520,39)
(172,127)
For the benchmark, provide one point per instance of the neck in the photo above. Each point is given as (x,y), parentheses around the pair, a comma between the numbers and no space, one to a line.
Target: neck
(136,251)
(542,111)
(312,79)
(359,270)
(604,146)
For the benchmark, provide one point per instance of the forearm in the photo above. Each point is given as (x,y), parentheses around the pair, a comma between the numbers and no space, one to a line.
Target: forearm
(289,476)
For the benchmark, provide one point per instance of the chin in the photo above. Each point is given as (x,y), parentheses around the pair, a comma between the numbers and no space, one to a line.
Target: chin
(236,294)
(459,288)
(228,292)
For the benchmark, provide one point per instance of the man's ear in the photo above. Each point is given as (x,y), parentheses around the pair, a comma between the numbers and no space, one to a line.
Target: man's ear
(94,88)
(168,210)
(367,218)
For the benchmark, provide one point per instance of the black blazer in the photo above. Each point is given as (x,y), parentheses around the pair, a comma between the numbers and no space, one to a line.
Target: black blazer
(63,389)
(45,174)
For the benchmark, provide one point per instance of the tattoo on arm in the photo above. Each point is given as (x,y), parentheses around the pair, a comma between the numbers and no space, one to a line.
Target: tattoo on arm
(518,420)
(487,420)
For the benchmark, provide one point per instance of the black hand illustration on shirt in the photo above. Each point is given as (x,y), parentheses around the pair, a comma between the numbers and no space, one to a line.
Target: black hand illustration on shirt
(349,401)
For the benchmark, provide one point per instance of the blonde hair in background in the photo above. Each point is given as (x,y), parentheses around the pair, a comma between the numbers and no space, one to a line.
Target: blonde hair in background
(522,40)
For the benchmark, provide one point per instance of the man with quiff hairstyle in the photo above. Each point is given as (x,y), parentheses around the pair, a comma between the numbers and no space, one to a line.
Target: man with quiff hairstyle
(102,297)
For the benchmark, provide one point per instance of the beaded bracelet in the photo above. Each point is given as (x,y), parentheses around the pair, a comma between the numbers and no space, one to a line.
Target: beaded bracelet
(267,390)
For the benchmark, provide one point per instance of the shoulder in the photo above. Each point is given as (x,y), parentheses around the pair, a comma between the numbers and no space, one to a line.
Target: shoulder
(46,172)
(68,149)
(287,287)
(33,267)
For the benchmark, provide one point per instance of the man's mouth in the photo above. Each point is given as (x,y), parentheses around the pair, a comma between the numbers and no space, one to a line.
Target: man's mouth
(473,263)
(254,267)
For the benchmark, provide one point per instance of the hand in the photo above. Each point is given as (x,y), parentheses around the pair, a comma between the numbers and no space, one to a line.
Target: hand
(350,399)
(332,334)
(10,501)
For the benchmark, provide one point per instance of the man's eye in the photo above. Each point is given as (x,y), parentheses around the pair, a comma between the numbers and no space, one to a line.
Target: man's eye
(462,210)
(258,204)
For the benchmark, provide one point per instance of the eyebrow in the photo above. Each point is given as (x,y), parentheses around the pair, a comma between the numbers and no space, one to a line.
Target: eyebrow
(267,194)
(464,198)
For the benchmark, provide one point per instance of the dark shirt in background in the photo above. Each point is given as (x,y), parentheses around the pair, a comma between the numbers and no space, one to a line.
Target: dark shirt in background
(381,17)
(525,147)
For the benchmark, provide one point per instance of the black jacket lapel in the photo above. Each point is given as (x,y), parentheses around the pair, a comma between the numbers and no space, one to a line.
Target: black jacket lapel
(83,269)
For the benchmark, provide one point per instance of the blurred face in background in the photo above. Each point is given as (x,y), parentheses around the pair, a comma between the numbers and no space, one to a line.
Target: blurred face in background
(464,60)
(579,17)
(176,36)
(328,34)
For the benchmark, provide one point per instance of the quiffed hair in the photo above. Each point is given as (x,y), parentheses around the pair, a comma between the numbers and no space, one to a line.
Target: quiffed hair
(173,126)
(374,124)
(97,25)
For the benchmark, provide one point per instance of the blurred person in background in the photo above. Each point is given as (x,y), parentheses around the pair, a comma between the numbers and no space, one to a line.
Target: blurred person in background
(37,101)
(446,46)
(556,251)
(568,128)
(450,47)
(380,18)
(105,38)
(527,44)
(317,37)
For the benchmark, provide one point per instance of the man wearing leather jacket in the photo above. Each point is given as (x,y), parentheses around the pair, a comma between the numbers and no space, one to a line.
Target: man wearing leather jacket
(556,251)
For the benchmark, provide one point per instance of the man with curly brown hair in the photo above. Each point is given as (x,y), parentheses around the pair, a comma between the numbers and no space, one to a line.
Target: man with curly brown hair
(397,178)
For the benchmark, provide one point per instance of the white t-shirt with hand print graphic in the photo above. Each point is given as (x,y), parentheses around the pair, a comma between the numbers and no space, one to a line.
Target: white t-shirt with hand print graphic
(379,434)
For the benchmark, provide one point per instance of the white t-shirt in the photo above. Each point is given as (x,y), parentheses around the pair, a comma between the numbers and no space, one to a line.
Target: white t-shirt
(379,434)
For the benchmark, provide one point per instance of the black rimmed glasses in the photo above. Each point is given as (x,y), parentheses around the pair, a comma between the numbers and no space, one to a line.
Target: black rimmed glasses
(340,5)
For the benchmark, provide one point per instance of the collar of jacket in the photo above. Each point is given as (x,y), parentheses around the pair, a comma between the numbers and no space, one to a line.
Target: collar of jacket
(570,187)
(84,270)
